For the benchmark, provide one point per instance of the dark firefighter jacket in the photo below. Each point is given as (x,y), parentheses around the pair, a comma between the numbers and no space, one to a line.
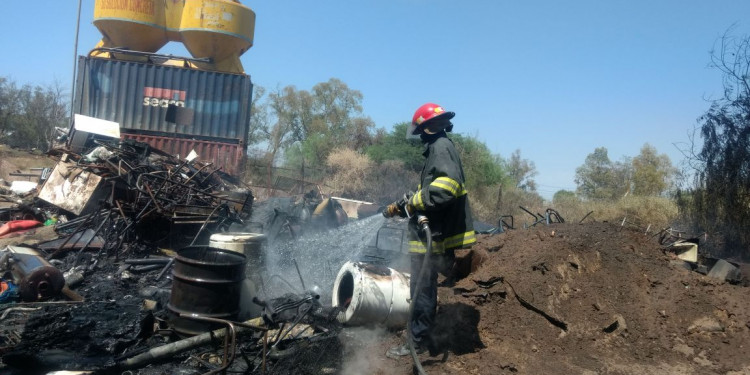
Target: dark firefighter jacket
(441,196)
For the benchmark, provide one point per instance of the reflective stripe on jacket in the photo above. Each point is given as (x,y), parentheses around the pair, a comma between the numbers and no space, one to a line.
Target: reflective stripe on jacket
(442,197)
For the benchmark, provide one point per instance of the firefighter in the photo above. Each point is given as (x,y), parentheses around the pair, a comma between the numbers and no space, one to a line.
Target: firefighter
(442,198)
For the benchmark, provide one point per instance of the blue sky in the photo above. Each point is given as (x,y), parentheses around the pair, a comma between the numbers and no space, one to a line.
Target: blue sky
(555,79)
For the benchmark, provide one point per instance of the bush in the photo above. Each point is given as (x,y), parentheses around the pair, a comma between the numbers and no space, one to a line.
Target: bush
(350,173)
(356,176)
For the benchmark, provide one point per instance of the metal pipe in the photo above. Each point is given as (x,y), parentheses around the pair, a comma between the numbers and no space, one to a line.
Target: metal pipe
(178,347)
(164,270)
(301,280)
(78,228)
(14,309)
(147,261)
(584,218)
(192,188)
(230,341)
(75,61)
(86,246)
(145,268)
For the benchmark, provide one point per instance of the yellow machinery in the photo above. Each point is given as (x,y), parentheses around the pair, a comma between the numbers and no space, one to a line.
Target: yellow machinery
(215,32)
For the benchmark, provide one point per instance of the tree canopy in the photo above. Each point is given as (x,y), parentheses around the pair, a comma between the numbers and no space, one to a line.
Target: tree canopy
(647,174)
(720,200)
(317,121)
(29,114)
(393,145)
(481,166)
(521,172)
(597,177)
(653,173)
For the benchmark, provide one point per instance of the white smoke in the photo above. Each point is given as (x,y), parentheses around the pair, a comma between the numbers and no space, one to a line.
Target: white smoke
(319,256)
(361,356)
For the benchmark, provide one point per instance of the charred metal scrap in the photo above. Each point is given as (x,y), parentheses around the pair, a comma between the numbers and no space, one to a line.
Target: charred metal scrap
(73,337)
(138,194)
(115,208)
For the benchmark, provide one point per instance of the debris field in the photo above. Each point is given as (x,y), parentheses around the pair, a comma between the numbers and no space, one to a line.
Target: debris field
(108,285)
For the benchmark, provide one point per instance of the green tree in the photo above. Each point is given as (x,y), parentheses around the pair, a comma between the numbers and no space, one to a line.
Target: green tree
(259,116)
(595,177)
(394,146)
(289,123)
(600,178)
(300,128)
(481,166)
(9,106)
(653,173)
(316,121)
(521,172)
(720,201)
(29,114)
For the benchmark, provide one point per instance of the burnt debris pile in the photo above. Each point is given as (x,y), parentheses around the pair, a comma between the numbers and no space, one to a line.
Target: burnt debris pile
(108,265)
(138,194)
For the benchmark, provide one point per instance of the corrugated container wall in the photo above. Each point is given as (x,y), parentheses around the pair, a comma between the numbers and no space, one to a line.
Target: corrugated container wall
(229,156)
(137,95)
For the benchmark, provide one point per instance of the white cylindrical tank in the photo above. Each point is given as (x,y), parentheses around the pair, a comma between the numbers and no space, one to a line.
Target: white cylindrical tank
(371,295)
(253,246)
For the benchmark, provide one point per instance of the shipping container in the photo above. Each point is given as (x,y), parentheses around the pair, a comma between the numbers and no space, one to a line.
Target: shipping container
(213,107)
(227,155)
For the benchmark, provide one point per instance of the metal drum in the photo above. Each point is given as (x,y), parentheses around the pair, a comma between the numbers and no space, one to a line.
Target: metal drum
(206,283)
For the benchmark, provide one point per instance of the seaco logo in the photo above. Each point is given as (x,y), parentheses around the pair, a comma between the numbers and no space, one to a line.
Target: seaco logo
(158,97)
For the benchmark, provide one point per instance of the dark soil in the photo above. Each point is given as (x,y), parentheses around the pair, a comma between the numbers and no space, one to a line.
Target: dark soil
(583,299)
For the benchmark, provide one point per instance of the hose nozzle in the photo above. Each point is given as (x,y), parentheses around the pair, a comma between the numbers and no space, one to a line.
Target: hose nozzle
(423,223)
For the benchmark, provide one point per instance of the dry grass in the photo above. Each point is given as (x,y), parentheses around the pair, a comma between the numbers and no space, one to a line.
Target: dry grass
(488,205)
(354,175)
(658,212)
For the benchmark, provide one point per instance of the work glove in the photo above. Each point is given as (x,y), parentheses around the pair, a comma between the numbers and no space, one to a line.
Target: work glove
(400,207)
(392,210)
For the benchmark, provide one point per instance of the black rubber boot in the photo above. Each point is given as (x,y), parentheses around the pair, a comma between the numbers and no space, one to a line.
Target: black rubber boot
(402,350)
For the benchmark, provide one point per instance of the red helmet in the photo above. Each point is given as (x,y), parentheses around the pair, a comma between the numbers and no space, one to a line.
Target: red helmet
(426,113)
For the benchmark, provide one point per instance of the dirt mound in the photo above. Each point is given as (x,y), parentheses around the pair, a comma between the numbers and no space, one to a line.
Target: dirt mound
(587,299)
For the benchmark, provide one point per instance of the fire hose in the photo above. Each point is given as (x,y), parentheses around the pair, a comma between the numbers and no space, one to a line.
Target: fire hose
(402,208)
(425,227)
